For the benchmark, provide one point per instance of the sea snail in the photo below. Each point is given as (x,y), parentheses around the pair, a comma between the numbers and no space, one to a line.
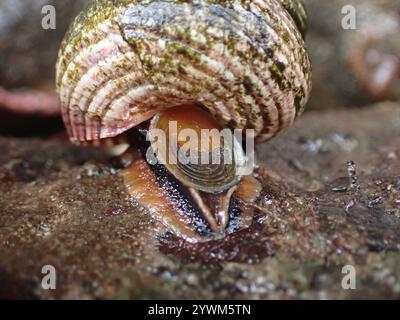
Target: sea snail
(128,66)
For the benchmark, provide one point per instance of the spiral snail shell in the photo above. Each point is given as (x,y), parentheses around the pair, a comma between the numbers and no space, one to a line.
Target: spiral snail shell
(125,63)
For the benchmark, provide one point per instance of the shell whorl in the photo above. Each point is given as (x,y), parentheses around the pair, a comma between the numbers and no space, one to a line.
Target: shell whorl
(123,61)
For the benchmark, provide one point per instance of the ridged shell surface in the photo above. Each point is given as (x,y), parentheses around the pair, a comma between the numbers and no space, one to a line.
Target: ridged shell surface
(123,61)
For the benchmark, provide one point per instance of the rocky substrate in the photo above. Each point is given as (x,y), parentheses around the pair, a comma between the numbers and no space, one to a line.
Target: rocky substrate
(67,206)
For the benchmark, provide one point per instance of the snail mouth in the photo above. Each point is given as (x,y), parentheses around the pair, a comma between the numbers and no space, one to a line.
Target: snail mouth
(192,214)
(197,202)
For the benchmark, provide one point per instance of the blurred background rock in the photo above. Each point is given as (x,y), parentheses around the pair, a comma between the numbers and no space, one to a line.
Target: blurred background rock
(27,51)
(351,66)
(27,58)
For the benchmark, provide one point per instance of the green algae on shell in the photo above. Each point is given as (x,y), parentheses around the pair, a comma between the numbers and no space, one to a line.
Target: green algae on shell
(123,61)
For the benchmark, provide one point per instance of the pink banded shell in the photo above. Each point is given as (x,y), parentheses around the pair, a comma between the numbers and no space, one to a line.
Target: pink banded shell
(123,61)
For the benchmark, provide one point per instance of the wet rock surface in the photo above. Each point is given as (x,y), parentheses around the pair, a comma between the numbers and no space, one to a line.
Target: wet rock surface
(66,206)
